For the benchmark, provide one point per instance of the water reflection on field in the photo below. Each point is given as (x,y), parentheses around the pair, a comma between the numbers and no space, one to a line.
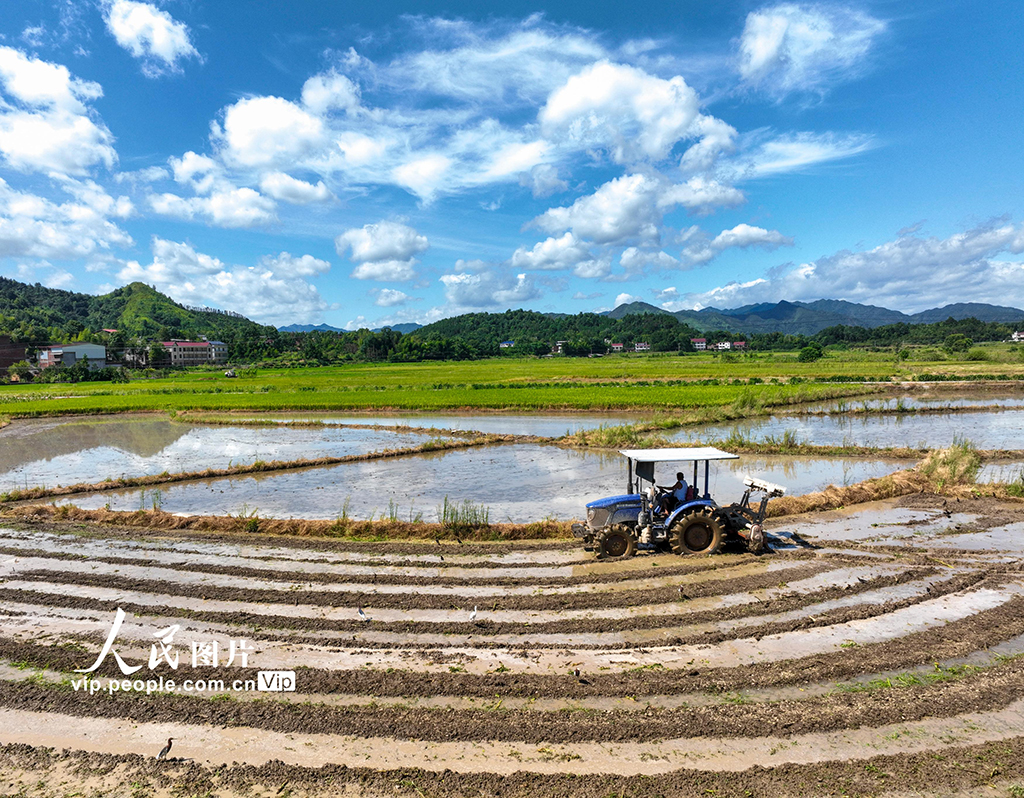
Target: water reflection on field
(523,482)
(47,453)
(935,397)
(996,430)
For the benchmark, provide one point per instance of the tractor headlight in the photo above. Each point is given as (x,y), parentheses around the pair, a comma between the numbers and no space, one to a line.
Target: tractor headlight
(597,517)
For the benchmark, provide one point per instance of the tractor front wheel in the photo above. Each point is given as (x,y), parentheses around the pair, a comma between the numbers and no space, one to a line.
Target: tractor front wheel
(699,532)
(615,542)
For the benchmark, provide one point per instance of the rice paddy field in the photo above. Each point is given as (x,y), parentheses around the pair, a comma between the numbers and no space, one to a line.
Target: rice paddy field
(619,382)
(360,582)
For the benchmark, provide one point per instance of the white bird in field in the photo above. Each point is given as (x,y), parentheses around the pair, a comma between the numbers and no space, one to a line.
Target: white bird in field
(472,615)
(362,615)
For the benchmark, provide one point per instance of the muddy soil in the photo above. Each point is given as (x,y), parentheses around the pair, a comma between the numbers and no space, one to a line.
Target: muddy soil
(668,633)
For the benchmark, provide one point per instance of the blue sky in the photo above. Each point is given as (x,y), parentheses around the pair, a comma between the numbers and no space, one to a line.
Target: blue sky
(365,164)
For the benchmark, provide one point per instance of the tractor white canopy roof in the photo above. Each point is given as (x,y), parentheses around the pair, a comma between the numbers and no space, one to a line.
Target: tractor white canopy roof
(682,453)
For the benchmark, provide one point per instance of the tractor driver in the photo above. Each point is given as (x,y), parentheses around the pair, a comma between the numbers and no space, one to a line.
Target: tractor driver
(680,489)
(676,495)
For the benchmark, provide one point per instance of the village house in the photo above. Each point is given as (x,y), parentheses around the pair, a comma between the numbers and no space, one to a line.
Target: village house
(640,346)
(95,355)
(618,347)
(739,344)
(1017,337)
(724,345)
(506,344)
(699,344)
(195,353)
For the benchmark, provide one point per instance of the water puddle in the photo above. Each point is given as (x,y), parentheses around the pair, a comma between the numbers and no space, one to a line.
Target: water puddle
(44,453)
(517,483)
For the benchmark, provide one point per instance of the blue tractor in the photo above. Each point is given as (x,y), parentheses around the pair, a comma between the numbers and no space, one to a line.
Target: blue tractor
(654,518)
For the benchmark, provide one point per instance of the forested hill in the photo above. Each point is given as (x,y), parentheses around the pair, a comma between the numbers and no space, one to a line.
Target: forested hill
(539,330)
(36,315)
(808,318)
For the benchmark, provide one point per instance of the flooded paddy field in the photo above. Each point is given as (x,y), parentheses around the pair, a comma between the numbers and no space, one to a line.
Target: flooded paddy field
(875,650)
(867,653)
(47,452)
(517,482)
(985,430)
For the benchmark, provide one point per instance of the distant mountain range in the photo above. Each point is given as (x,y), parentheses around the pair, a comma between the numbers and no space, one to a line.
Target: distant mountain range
(305,328)
(808,318)
(792,318)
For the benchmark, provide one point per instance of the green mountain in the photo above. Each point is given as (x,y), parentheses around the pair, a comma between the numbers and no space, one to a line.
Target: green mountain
(36,315)
(808,318)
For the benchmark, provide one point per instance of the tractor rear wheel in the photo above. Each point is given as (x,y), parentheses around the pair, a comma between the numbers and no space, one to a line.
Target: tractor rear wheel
(699,532)
(615,542)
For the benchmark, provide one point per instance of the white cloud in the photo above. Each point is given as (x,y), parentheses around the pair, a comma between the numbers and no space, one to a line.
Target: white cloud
(384,240)
(515,158)
(594,269)
(264,131)
(625,299)
(226,206)
(700,195)
(631,207)
(360,150)
(511,64)
(491,289)
(634,259)
(150,34)
(795,151)
(622,208)
(552,254)
(41,84)
(32,226)
(54,130)
(54,141)
(59,278)
(700,250)
(150,174)
(543,180)
(191,166)
(423,175)
(95,198)
(259,292)
(394,271)
(287,265)
(290,189)
(790,47)
(384,251)
(716,138)
(389,297)
(329,91)
(623,109)
(908,274)
(745,235)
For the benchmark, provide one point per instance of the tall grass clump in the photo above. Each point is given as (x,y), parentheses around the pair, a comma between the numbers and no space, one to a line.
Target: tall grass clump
(956,465)
(462,516)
